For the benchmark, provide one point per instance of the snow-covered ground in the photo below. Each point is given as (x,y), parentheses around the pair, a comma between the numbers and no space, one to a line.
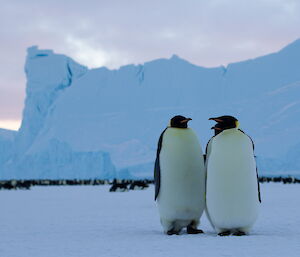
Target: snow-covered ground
(89,221)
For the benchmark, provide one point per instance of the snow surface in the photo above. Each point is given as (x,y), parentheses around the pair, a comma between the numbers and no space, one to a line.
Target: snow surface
(115,117)
(87,221)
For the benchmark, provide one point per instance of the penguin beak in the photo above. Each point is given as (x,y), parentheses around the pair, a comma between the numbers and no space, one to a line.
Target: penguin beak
(216,119)
(186,120)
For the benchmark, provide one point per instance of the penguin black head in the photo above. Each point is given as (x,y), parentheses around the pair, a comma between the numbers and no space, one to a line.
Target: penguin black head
(179,122)
(225,122)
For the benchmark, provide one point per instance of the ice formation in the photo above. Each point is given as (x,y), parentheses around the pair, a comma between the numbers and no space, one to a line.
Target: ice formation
(88,123)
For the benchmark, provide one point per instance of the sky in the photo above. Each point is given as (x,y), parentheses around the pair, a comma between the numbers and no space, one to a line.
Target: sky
(117,32)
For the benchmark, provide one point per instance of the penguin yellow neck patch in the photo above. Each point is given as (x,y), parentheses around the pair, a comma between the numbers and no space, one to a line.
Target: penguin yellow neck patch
(237,124)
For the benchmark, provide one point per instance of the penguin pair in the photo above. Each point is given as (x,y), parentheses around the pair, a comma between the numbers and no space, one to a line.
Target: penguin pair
(180,182)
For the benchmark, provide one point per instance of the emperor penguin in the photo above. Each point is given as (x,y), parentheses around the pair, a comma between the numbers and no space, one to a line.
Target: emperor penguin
(232,187)
(179,176)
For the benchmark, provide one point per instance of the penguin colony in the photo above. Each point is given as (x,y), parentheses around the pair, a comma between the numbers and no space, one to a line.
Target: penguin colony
(116,185)
(130,184)
(226,185)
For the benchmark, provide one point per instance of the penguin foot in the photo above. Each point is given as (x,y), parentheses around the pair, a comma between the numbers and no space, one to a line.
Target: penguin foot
(191,230)
(239,233)
(172,232)
(224,233)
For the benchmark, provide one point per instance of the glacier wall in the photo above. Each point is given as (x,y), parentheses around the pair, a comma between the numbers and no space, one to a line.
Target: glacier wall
(7,138)
(105,123)
(48,76)
(59,161)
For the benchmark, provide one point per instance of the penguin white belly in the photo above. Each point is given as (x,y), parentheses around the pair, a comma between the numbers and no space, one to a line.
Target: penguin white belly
(182,190)
(232,190)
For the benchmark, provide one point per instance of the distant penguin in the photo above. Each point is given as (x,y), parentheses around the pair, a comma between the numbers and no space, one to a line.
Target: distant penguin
(138,185)
(232,187)
(179,176)
(118,186)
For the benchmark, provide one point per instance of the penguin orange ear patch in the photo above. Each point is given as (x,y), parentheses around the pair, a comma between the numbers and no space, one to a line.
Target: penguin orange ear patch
(237,124)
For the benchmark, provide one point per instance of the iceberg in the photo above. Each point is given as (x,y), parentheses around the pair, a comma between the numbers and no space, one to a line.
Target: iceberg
(101,123)
(7,138)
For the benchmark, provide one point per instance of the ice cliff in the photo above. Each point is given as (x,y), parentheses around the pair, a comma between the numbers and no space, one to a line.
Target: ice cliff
(7,138)
(105,123)
(48,76)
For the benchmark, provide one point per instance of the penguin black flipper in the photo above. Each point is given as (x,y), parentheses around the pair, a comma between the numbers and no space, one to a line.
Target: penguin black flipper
(258,186)
(157,166)
(206,149)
